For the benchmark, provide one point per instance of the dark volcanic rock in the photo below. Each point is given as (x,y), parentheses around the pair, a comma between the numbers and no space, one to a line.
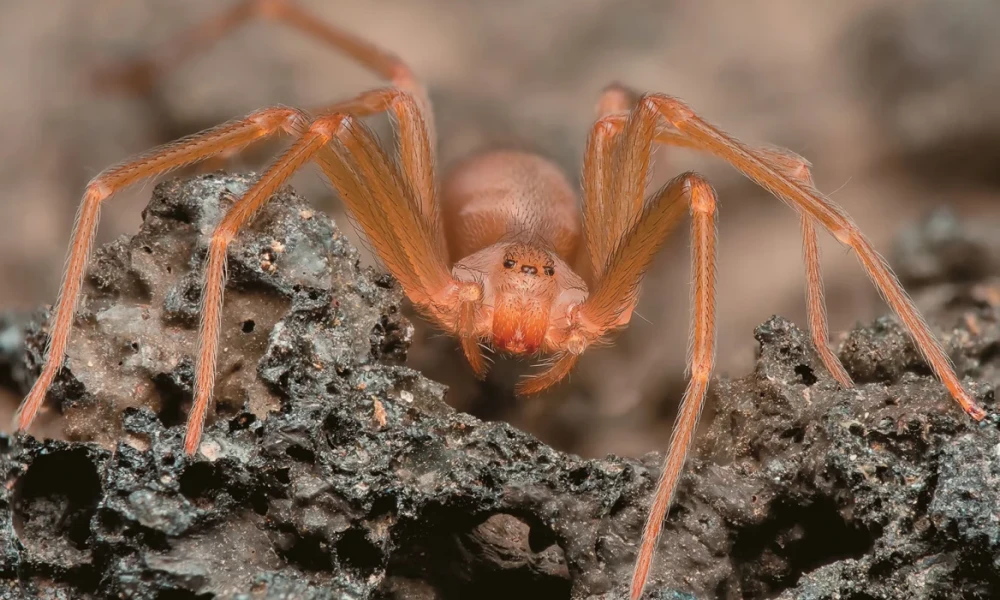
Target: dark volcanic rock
(332,470)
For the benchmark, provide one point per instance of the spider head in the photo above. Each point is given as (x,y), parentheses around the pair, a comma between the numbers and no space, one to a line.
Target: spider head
(526,292)
(524,287)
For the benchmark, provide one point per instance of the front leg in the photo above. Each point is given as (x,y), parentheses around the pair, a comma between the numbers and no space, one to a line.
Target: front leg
(614,294)
(196,148)
(379,197)
(701,358)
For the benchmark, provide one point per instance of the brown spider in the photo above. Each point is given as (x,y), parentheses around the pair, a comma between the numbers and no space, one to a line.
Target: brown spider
(492,253)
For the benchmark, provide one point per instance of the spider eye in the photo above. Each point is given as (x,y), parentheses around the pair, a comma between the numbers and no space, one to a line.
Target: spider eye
(509,263)
(549,271)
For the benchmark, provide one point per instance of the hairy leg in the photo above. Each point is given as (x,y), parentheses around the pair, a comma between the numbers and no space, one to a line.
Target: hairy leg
(823,211)
(598,177)
(605,220)
(816,305)
(667,121)
(694,132)
(215,273)
(415,151)
(639,228)
(407,102)
(235,134)
(614,105)
(415,120)
(382,201)
(702,200)
(139,75)
(615,292)
(798,169)
(601,171)
(600,235)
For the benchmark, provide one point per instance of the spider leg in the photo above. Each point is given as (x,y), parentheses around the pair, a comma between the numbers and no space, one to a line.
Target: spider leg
(138,76)
(816,305)
(631,260)
(823,211)
(603,230)
(598,175)
(415,150)
(797,168)
(235,134)
(613,107)
(383,203)
(643,226)
(608,223)
(616,290)
(241,213)
(417,161)
(415,120)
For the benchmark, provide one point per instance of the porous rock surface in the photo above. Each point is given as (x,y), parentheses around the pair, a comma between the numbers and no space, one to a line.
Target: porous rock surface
(331,470)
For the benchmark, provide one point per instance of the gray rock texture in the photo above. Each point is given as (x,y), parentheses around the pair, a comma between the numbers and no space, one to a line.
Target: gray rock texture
(331,470)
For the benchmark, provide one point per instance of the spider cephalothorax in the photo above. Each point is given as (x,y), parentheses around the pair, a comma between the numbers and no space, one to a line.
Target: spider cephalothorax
(527,291)
(489,254)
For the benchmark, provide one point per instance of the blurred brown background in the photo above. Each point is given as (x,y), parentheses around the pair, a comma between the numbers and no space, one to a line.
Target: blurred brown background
(894,102)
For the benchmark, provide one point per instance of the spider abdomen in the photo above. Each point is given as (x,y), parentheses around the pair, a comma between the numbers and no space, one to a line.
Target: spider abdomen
(494,194)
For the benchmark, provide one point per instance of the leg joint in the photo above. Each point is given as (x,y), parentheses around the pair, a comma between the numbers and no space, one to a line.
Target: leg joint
(221,238)
(329,126)
(671,109)
(401,99)
(845,237)
(97,190)
(400,74)
(700,193)
(292,120)
(615,99)
(295,122)
(609,125)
